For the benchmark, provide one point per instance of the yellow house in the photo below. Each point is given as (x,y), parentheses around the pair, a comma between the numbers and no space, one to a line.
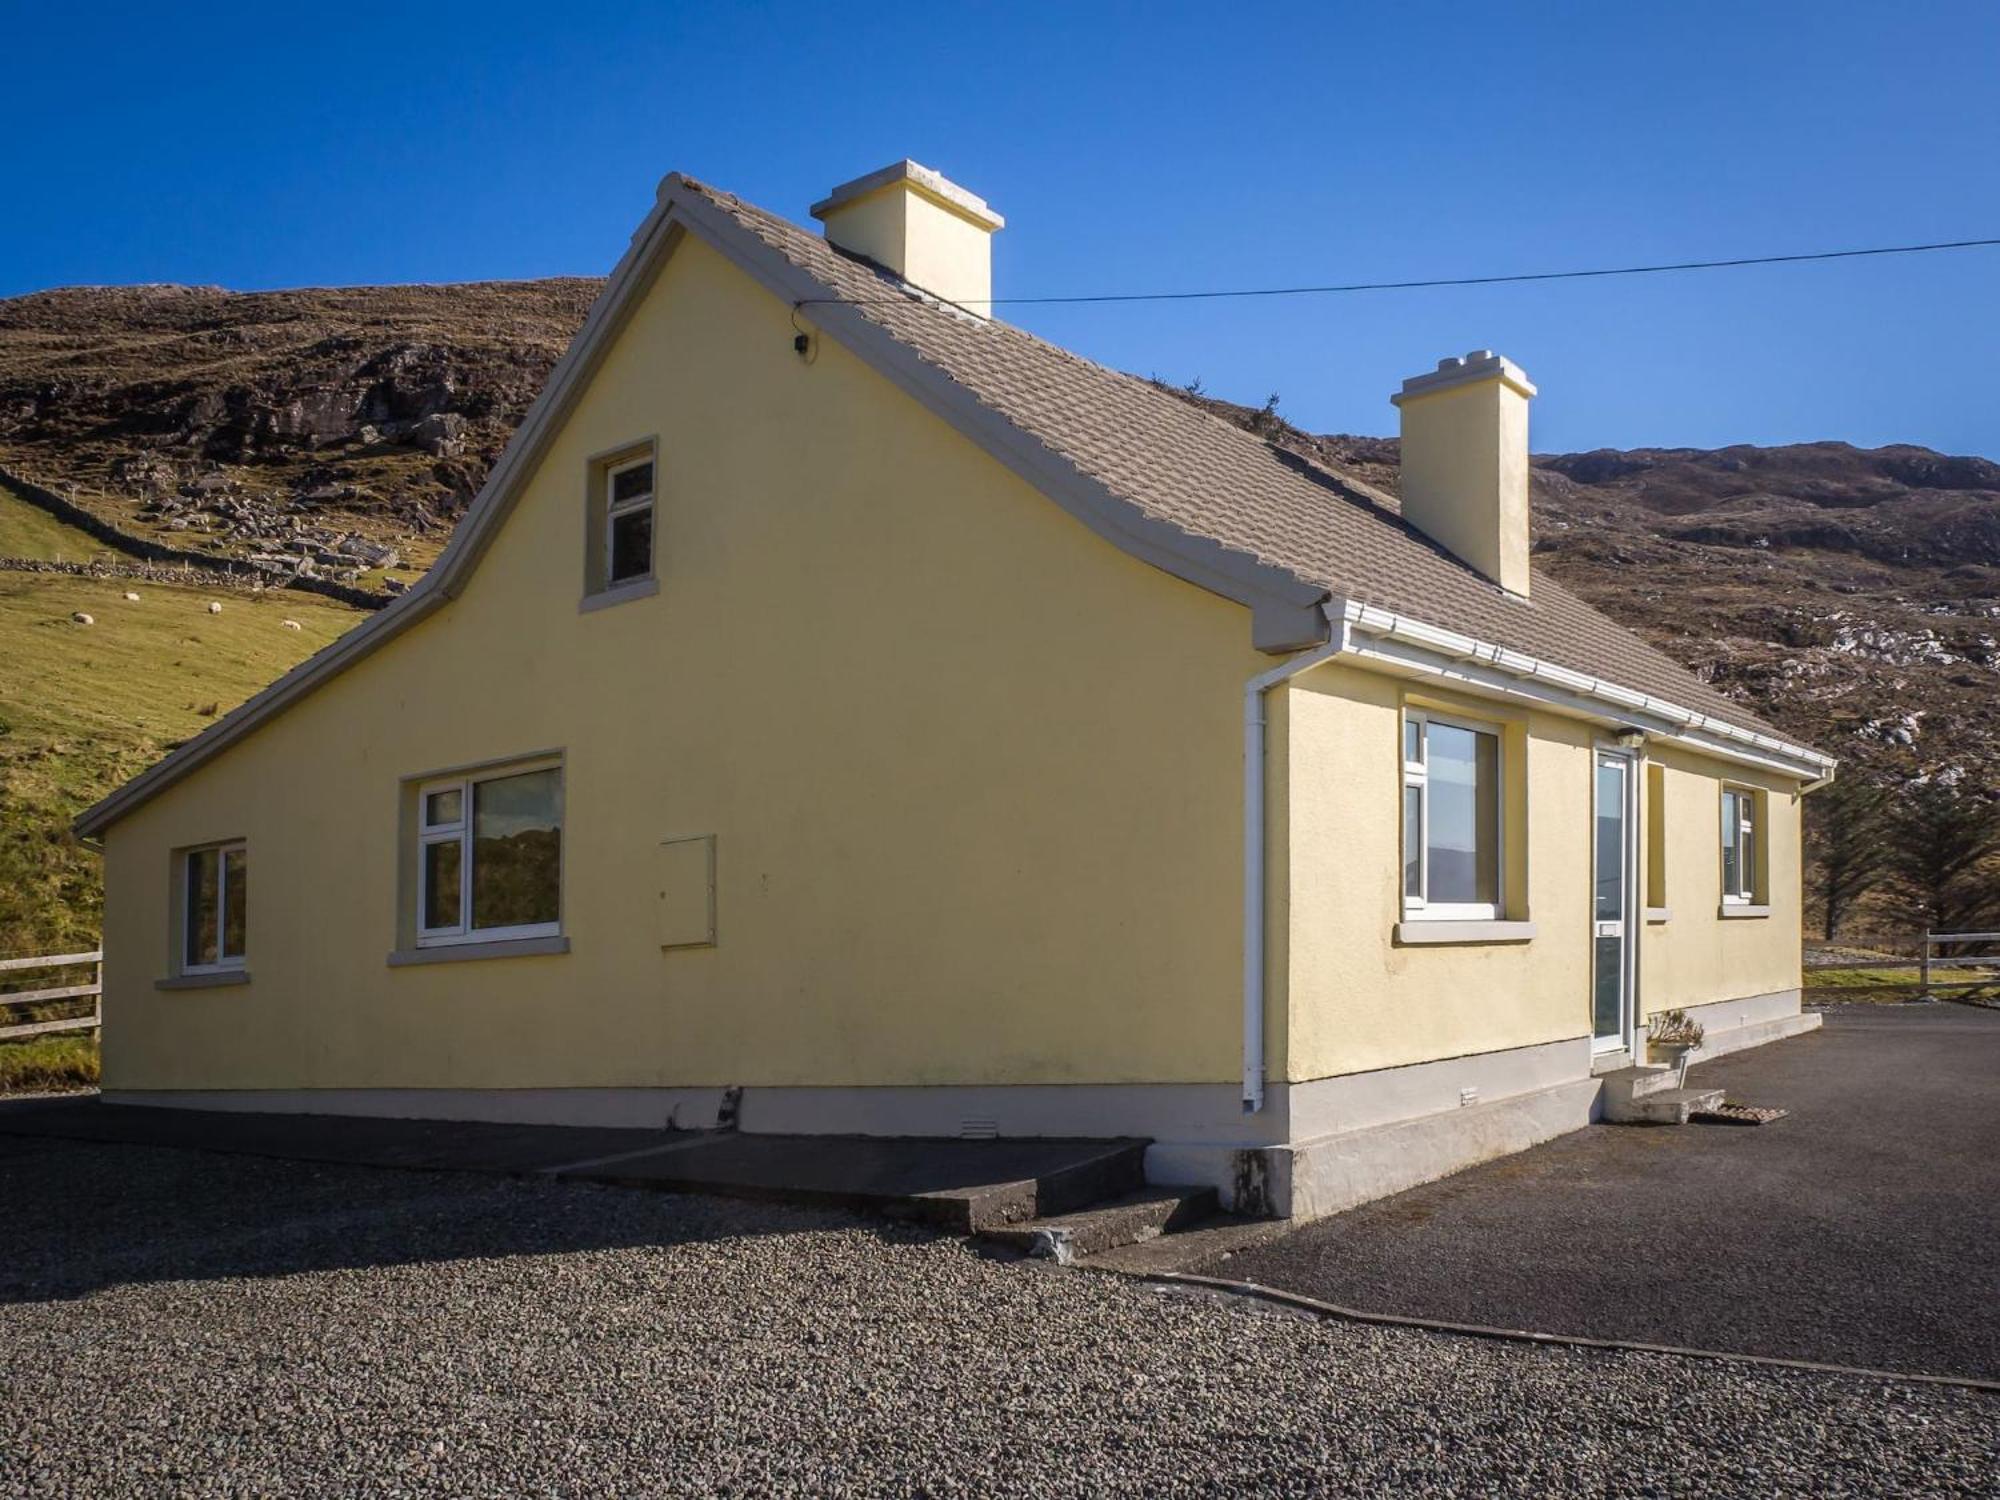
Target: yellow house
(844,712)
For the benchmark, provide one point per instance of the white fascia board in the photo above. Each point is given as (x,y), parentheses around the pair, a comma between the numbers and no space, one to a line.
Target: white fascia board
(1285,610)
(1411,647)
(446,577)
(327,662)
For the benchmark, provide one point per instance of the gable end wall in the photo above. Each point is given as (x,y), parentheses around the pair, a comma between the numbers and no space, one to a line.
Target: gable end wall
(971,774)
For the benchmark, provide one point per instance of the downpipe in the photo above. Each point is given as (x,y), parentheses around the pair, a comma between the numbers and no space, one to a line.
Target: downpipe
(1254,816)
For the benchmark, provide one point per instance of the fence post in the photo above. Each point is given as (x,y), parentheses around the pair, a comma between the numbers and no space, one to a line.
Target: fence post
(1925,971)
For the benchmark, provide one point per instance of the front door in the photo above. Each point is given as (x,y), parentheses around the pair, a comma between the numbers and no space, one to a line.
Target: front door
(1611,905)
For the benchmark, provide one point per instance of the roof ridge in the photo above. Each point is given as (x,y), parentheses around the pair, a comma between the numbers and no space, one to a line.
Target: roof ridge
(1354,489)
(1119,455)
(1183,465)
(1149,386)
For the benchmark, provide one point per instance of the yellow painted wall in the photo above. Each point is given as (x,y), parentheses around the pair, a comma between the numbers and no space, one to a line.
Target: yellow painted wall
(1356,1000)
(1698,956)
(973,774)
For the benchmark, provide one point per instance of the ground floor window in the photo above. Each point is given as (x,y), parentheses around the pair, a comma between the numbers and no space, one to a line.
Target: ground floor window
(1739,844)
(1451,818)
(215,887)
(489,856)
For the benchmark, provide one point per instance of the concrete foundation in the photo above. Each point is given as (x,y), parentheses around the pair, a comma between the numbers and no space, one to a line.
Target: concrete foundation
(1732,1025)
(1316,1148)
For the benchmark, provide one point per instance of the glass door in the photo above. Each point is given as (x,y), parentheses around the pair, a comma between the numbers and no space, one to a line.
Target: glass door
(1611,905)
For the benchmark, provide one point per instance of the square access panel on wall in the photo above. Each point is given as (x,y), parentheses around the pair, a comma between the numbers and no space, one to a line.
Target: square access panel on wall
(684,875)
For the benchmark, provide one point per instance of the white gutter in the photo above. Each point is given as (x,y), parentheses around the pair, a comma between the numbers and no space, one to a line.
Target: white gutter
(1385,640)
(1440,652)
(1254,816)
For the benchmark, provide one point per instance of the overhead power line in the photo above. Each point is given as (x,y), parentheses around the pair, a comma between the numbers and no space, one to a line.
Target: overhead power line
(1444,281)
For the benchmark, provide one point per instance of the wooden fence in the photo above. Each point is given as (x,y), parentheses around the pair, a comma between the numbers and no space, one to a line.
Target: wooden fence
(1933,951)
(94,992)
(1933,941)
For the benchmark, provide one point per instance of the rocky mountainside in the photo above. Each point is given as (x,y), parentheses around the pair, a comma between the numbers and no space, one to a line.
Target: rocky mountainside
(1852,595)
(338,429)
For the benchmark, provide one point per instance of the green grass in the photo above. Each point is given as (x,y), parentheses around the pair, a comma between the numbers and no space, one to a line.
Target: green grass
(1860,979)
(27,531)
(1893,986)
(85,707)
(67,1060)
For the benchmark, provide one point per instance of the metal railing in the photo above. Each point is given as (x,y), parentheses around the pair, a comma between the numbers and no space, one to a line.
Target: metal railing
(94,992)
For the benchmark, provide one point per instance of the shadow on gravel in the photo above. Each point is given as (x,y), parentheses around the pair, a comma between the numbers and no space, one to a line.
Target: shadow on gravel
(79,1217)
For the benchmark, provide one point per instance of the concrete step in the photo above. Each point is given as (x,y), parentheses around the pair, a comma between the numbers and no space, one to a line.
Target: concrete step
(1061,1184)
(1128,1220)
(1206,1243)
(1626,1088)
(1112,1173)
(962,1186)
(1667,1106)
(1640,1080)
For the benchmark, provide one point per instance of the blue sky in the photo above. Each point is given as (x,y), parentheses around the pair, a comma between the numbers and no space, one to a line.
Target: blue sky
(1141,147)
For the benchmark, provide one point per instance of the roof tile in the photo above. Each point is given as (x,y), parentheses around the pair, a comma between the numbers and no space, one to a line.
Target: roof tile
(1180,464)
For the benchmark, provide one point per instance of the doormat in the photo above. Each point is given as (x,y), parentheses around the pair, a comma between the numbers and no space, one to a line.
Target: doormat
(1738,1114)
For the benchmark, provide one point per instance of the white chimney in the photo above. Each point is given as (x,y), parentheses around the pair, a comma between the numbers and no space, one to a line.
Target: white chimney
(1465,462)
(921,225)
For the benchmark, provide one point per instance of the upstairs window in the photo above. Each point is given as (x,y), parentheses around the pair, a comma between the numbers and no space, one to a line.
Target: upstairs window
(216,908)
(628,522)
(489,857)
(1451,819)
(1739,845)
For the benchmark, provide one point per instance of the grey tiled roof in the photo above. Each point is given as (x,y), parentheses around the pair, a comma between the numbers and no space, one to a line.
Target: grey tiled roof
(1178,464)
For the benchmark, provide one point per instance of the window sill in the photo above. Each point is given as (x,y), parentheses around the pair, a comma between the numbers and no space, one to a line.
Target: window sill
(455,953)
(1659,914)
(623,593)
(220,979)
(1421,933)
(1744,909)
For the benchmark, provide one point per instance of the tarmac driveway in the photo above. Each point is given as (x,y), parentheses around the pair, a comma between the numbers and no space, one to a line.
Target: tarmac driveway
(1862,1230)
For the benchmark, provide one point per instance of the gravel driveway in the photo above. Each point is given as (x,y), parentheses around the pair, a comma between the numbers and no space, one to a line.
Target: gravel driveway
(173,1321)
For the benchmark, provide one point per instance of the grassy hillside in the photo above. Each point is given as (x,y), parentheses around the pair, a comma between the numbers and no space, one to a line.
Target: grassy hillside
(83,707)
(33,534)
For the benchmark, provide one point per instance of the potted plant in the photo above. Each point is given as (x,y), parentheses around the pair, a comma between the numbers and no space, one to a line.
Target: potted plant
(1670,1037)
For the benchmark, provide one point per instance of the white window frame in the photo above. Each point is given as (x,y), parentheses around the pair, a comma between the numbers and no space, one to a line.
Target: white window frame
(1416,774)
(1748,830)
(460,832)
(225,963)
(616,509)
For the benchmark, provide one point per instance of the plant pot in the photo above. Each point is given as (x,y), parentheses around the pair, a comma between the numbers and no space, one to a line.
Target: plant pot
(1672,1054)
